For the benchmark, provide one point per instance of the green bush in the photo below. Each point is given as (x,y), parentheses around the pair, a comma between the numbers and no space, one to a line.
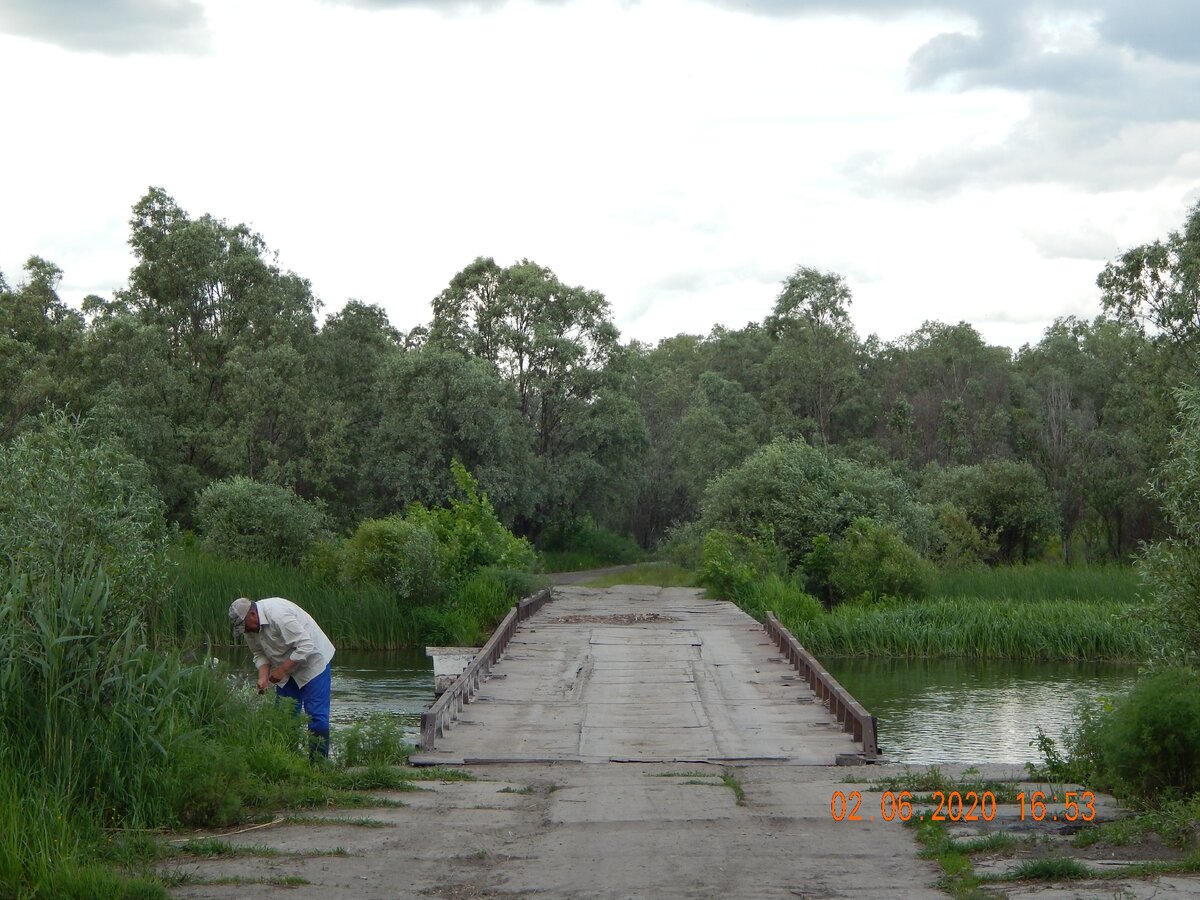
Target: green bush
(70,503)
(1005,500)
(957,543)
(397,553)
(247,519)
(733,564)
(518,585)
(1151,740)
(872,559)
(684,545)
(469,535)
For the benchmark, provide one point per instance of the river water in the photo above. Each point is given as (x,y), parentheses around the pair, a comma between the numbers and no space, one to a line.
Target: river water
(929,710)
(974,711)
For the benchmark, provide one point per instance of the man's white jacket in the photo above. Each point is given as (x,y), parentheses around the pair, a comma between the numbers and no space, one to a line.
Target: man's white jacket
(288,632)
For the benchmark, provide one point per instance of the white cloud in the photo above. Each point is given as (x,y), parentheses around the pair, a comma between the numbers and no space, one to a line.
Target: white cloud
(678,156)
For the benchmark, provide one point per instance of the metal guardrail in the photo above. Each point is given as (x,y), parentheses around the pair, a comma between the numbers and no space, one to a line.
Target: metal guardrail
(446,708)
(852,714)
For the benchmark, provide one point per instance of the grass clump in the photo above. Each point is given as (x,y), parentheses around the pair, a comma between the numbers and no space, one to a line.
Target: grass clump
(958,876)
(436,773)
(734,785)
(1050,868)
(1176,823)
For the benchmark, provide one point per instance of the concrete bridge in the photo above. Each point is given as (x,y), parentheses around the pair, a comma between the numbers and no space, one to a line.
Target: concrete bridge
(635,742)
(644,674)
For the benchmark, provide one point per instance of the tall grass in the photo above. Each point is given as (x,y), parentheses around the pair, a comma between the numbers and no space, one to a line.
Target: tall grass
(1041,581)
(362,616)
(367,616)
(982,629)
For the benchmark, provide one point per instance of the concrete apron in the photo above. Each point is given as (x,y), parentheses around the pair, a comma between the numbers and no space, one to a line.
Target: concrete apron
(567,830)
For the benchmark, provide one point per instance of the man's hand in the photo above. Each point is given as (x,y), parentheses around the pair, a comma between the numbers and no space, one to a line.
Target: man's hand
(262,682)
(281,672)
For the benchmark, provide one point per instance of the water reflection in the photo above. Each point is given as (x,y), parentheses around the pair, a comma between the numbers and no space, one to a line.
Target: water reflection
(398,682)
(967,711)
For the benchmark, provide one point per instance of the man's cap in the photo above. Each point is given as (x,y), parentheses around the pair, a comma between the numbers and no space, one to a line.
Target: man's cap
(237,614)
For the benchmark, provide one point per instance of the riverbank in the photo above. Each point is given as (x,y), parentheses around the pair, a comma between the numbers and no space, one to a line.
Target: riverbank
(645,830)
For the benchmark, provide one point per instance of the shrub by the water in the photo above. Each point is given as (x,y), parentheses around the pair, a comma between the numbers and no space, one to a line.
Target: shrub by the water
(733,564)
(798,492)
(397,553)
(1151,740)
(872,559)
(469,534)
(247,519)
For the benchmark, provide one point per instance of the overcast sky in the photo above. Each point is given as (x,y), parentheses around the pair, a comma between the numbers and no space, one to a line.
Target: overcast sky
(955,160)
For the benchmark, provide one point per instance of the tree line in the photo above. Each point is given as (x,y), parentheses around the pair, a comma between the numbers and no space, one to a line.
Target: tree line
(213,363)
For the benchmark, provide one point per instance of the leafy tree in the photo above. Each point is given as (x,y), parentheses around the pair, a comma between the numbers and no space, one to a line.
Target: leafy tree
(140,398)
(814,363)
(39,340)
(548,339)
(795,493)
(944,395)
(1003,498)
(1086,424)
(346,363)
(206,308)
(553,343)
(698,423)
(434,407)
(1159,284)
(1171,566)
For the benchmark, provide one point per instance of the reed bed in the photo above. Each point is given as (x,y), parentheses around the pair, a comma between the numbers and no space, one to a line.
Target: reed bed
(980,629)
(1040,582)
